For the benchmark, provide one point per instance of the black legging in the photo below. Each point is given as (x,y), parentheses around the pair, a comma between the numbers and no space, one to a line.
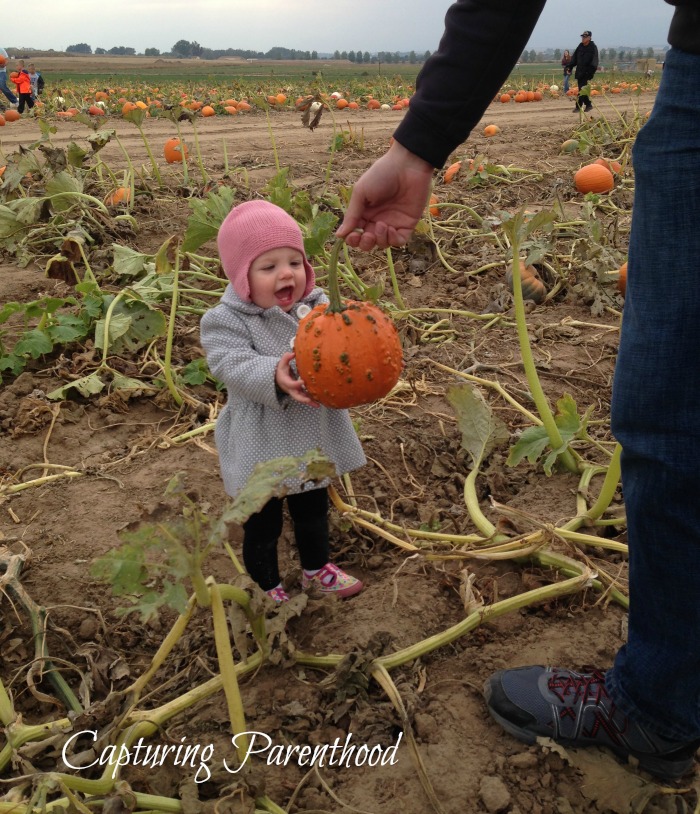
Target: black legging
(309,511)
(582,80)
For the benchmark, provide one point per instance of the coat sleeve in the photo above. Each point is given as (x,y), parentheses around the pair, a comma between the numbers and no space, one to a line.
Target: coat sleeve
(483,40)
(573,62)
(233,359)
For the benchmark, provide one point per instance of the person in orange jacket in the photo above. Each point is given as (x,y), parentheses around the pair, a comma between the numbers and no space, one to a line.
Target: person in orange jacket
(23,82)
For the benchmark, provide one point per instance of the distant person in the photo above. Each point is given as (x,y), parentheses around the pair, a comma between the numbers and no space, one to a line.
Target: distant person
(37,81)
(24,87)
(565,67)
(585,60)
(11,98)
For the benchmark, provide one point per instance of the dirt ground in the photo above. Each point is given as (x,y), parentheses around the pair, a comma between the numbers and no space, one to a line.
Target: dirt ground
(414,477)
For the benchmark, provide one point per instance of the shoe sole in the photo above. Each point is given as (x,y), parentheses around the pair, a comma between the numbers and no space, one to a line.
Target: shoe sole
(669,769)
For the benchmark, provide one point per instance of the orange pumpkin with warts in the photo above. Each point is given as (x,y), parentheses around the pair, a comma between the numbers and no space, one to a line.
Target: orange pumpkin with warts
(349,353)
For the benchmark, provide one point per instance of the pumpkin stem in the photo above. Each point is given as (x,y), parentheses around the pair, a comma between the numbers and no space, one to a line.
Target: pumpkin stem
(336,304)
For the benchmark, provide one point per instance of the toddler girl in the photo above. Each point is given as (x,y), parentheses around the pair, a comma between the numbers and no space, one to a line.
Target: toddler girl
(247,340)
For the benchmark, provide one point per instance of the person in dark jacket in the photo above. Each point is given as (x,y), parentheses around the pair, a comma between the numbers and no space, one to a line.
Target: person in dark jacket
(585,61)
(646,706)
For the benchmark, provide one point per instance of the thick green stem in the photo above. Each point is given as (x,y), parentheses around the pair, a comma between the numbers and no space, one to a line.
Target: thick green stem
(173,637)
(394,281)
(167,368)
(336,304)
(533,380)
(7,711)
(227,669)
(105,335)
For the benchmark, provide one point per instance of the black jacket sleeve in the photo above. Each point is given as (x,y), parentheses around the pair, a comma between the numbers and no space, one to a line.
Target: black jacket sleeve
(483,40)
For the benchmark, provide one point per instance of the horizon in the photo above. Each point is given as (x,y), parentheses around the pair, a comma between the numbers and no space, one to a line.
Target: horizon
(308,25)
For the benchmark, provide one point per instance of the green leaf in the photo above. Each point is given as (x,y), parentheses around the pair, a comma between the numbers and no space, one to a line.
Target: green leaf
(135,116)
(28,210)
(206,218)
(120,382)
(15,364)
(279,191)
(10,308)
(119,324)
(534,440)
(318,233)
(64,332)
(129,263)
(8,222)
(133,324)
(34,343)
(196,372)
(268,480)
(123,567)
(481,429)
(101,139)
(87,386)
(47,305)
(61,188)
(75,154)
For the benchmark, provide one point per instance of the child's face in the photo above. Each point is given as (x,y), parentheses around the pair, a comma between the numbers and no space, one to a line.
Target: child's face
(277,277)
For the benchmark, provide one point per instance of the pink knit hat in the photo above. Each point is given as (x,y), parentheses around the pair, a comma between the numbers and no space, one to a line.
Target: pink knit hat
(249,230)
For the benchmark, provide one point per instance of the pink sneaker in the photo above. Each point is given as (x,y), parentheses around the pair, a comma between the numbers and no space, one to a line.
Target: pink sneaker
(332,580)
(278,594)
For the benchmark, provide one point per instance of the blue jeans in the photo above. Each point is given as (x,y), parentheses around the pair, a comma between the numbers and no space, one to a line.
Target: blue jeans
(656,415)
(3,87)
(567,77)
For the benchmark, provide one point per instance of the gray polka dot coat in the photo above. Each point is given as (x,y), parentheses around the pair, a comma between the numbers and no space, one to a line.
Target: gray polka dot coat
(243,344)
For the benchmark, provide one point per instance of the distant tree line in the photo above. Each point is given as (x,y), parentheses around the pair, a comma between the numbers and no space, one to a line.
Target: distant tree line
(605,55)
(193,50)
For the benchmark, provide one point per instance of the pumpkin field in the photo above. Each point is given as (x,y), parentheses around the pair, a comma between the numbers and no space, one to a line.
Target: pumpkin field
(488,525)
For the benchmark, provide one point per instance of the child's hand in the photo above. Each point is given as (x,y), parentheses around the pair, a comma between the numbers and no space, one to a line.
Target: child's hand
(288,383)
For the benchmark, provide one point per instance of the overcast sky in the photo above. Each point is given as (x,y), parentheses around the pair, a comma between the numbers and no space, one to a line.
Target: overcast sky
(320,25)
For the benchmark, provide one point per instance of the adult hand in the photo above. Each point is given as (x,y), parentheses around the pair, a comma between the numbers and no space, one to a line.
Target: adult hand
(288,383)
(387,201)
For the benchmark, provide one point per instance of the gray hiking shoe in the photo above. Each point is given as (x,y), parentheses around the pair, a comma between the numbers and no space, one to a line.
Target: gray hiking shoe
(574,709)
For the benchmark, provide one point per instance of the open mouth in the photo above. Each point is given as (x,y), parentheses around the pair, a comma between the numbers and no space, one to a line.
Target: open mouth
(285,294)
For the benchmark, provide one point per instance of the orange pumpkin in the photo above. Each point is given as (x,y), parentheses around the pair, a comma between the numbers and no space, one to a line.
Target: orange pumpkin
(614,166)
(373,104)
(491,130)
(127,107)
(594,178)
(341,104)
(208,110)
(2,120)
(11,115)
(530,281)
(347,354)
(119,196)
(174,150)
(95,110)
(622,279)
(451,172)
(505,98)
(433,206)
